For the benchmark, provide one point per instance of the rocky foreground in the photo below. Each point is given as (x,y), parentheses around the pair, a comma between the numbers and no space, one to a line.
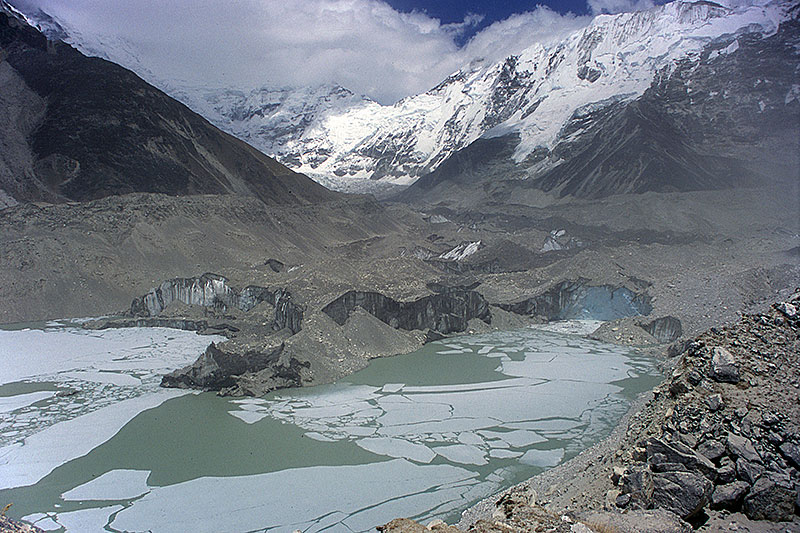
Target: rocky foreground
(715,448)
(7,525)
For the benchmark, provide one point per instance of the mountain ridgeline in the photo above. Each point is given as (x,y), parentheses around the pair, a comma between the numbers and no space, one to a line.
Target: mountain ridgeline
(684,96)
(81,128)
(716,121)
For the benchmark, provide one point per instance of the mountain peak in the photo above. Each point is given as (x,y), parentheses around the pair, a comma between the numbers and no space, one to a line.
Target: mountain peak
(348,141)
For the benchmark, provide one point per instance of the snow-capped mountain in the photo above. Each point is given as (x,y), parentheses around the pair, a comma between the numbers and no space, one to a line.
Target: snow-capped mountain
(292,124)
(533,94)
(345,141)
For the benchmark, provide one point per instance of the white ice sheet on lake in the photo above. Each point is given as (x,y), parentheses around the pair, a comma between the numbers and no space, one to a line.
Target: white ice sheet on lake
(42,521)
(113,374)
(248,416)
(34,354)
(210,505)
(397,448)
(463,454)
(110,378)
(552,382)
(27,463)
(444,441)
(88,520)
(114,485)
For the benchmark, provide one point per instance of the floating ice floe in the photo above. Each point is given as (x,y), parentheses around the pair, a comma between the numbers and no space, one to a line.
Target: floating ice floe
(26,463)
(12,403)
(111,486)
(361,490)
(113,375)
(393,447)
(421,449)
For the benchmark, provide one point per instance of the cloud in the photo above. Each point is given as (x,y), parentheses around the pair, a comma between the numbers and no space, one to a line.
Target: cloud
(364,45)
(518,32)
(612,7)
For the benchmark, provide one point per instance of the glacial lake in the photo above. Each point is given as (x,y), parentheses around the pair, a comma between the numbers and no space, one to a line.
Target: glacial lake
(90,443)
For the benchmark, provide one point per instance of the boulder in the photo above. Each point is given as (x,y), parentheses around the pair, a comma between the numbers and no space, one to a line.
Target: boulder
(787,309)
(712,449)
(771,498)
(747,471)
(723,366)
(661,453)
(791,452)
(637,484)
(274,265)
(726,473)
(714,402)
(683,493)
(729,496)
(742,447)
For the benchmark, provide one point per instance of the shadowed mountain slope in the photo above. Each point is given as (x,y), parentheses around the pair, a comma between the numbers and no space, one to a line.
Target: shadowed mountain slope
(81,128)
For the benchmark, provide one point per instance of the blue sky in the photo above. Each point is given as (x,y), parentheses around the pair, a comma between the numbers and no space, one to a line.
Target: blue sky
(385,49)
(454,11)
(491,11)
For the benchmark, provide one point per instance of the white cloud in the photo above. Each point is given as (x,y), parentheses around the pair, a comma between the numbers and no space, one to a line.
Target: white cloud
(518,32)
(618,6)
(364,45)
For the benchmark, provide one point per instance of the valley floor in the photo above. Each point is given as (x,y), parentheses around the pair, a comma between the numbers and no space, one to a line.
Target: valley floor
(703,258)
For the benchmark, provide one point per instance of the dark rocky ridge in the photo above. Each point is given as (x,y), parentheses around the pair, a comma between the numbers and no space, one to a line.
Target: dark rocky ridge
(101,130)
(230,367)
(448,311)
(218,369)
(257,347)
(209,304)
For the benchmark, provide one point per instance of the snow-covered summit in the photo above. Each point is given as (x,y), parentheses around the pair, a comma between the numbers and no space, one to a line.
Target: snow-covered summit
(342,139)
(532,94)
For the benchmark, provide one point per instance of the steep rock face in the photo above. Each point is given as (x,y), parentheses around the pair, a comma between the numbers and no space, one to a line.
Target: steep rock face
(212,290)
(444,312)
(700,125)
(577,299)
(664,329)
(105,131)
(218,368)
